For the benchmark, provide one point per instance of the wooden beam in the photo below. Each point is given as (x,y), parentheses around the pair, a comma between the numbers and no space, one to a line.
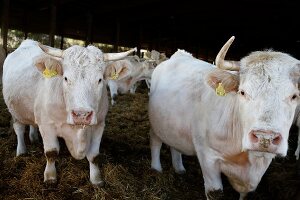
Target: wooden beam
(139,41)
(25,22)
(117,41)
(53,8)
(5,22)
(89,29)
(62,42)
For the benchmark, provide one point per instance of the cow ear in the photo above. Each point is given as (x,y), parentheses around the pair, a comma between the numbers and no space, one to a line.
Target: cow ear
(229,81)
(48,64)
(117,70)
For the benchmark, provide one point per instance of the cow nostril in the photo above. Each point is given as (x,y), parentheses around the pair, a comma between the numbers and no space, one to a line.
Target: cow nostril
(74,114)
(276,140)
(253,137)
(89,115)
(82,114)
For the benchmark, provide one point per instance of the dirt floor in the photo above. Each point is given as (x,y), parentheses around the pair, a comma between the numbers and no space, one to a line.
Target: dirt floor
(125,165)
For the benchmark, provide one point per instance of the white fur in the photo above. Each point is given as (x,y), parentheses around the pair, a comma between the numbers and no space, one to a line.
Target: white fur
(186,114)
(49,102)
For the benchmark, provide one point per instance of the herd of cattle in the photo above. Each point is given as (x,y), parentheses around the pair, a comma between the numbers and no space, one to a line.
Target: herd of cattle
(235,116)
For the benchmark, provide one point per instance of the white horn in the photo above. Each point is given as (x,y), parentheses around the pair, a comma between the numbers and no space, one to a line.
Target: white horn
(51,51)
(117,56)
(226,64)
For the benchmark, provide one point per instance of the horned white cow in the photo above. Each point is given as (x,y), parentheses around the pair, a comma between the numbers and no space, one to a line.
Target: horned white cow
(63,92)
(137,70)
(237,133)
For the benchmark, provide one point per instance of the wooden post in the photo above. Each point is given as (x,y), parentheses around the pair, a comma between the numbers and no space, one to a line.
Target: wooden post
(52,22)
(5,19)
(138,53)
(62,42)
(117,41)
(89,29)
(25,22)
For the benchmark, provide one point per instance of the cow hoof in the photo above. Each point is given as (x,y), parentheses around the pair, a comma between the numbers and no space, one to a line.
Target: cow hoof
(99,184)
(156,170)
(34,140)
(180,172)
(21,152)
(50,183)
(215,195)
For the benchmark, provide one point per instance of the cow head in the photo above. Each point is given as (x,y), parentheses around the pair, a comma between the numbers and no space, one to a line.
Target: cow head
(266,92)
(148,67)
(82,72)
(136,70)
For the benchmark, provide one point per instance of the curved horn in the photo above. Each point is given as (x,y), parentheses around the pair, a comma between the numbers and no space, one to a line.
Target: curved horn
(117,56)
(226,64)
(51,51)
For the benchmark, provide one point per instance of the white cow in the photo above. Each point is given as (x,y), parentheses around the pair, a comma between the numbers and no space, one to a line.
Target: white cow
(63,92)
(234,123)
(155,55)
(137,70)
(297,123)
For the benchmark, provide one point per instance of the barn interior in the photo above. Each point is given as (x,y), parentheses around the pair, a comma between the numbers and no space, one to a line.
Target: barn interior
(199,27)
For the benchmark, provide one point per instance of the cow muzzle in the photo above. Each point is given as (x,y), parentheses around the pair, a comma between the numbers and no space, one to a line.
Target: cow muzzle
(265,140)
(82,117)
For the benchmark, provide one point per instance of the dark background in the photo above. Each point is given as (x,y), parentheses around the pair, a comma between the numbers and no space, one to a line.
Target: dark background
(200,27)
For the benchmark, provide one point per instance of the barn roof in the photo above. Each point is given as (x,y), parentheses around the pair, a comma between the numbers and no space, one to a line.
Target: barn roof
(200,27)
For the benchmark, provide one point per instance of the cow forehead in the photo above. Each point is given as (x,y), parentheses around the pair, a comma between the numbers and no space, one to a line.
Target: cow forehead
(269,71)
(269,64)
(268,60)
(81,57)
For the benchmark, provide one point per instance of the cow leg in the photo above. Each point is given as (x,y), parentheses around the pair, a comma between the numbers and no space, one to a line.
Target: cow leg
(20,130)
(133,88)
(93,157)
(113,88)
(148,83)
(177,161)
(33,134)
(298,147)
(50,170)
(155,145)
(51,149)
(243,195)
(211,175)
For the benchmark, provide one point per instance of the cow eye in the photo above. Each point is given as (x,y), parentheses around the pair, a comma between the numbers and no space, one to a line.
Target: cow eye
(242,92)
(99,81)
(294,97)
(66,79)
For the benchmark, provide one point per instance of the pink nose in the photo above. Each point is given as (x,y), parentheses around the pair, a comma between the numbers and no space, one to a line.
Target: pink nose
(263,140)
(82,117)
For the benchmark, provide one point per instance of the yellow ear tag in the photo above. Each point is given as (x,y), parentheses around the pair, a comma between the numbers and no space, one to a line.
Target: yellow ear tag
(114,76)
(220,91)
(49,73)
